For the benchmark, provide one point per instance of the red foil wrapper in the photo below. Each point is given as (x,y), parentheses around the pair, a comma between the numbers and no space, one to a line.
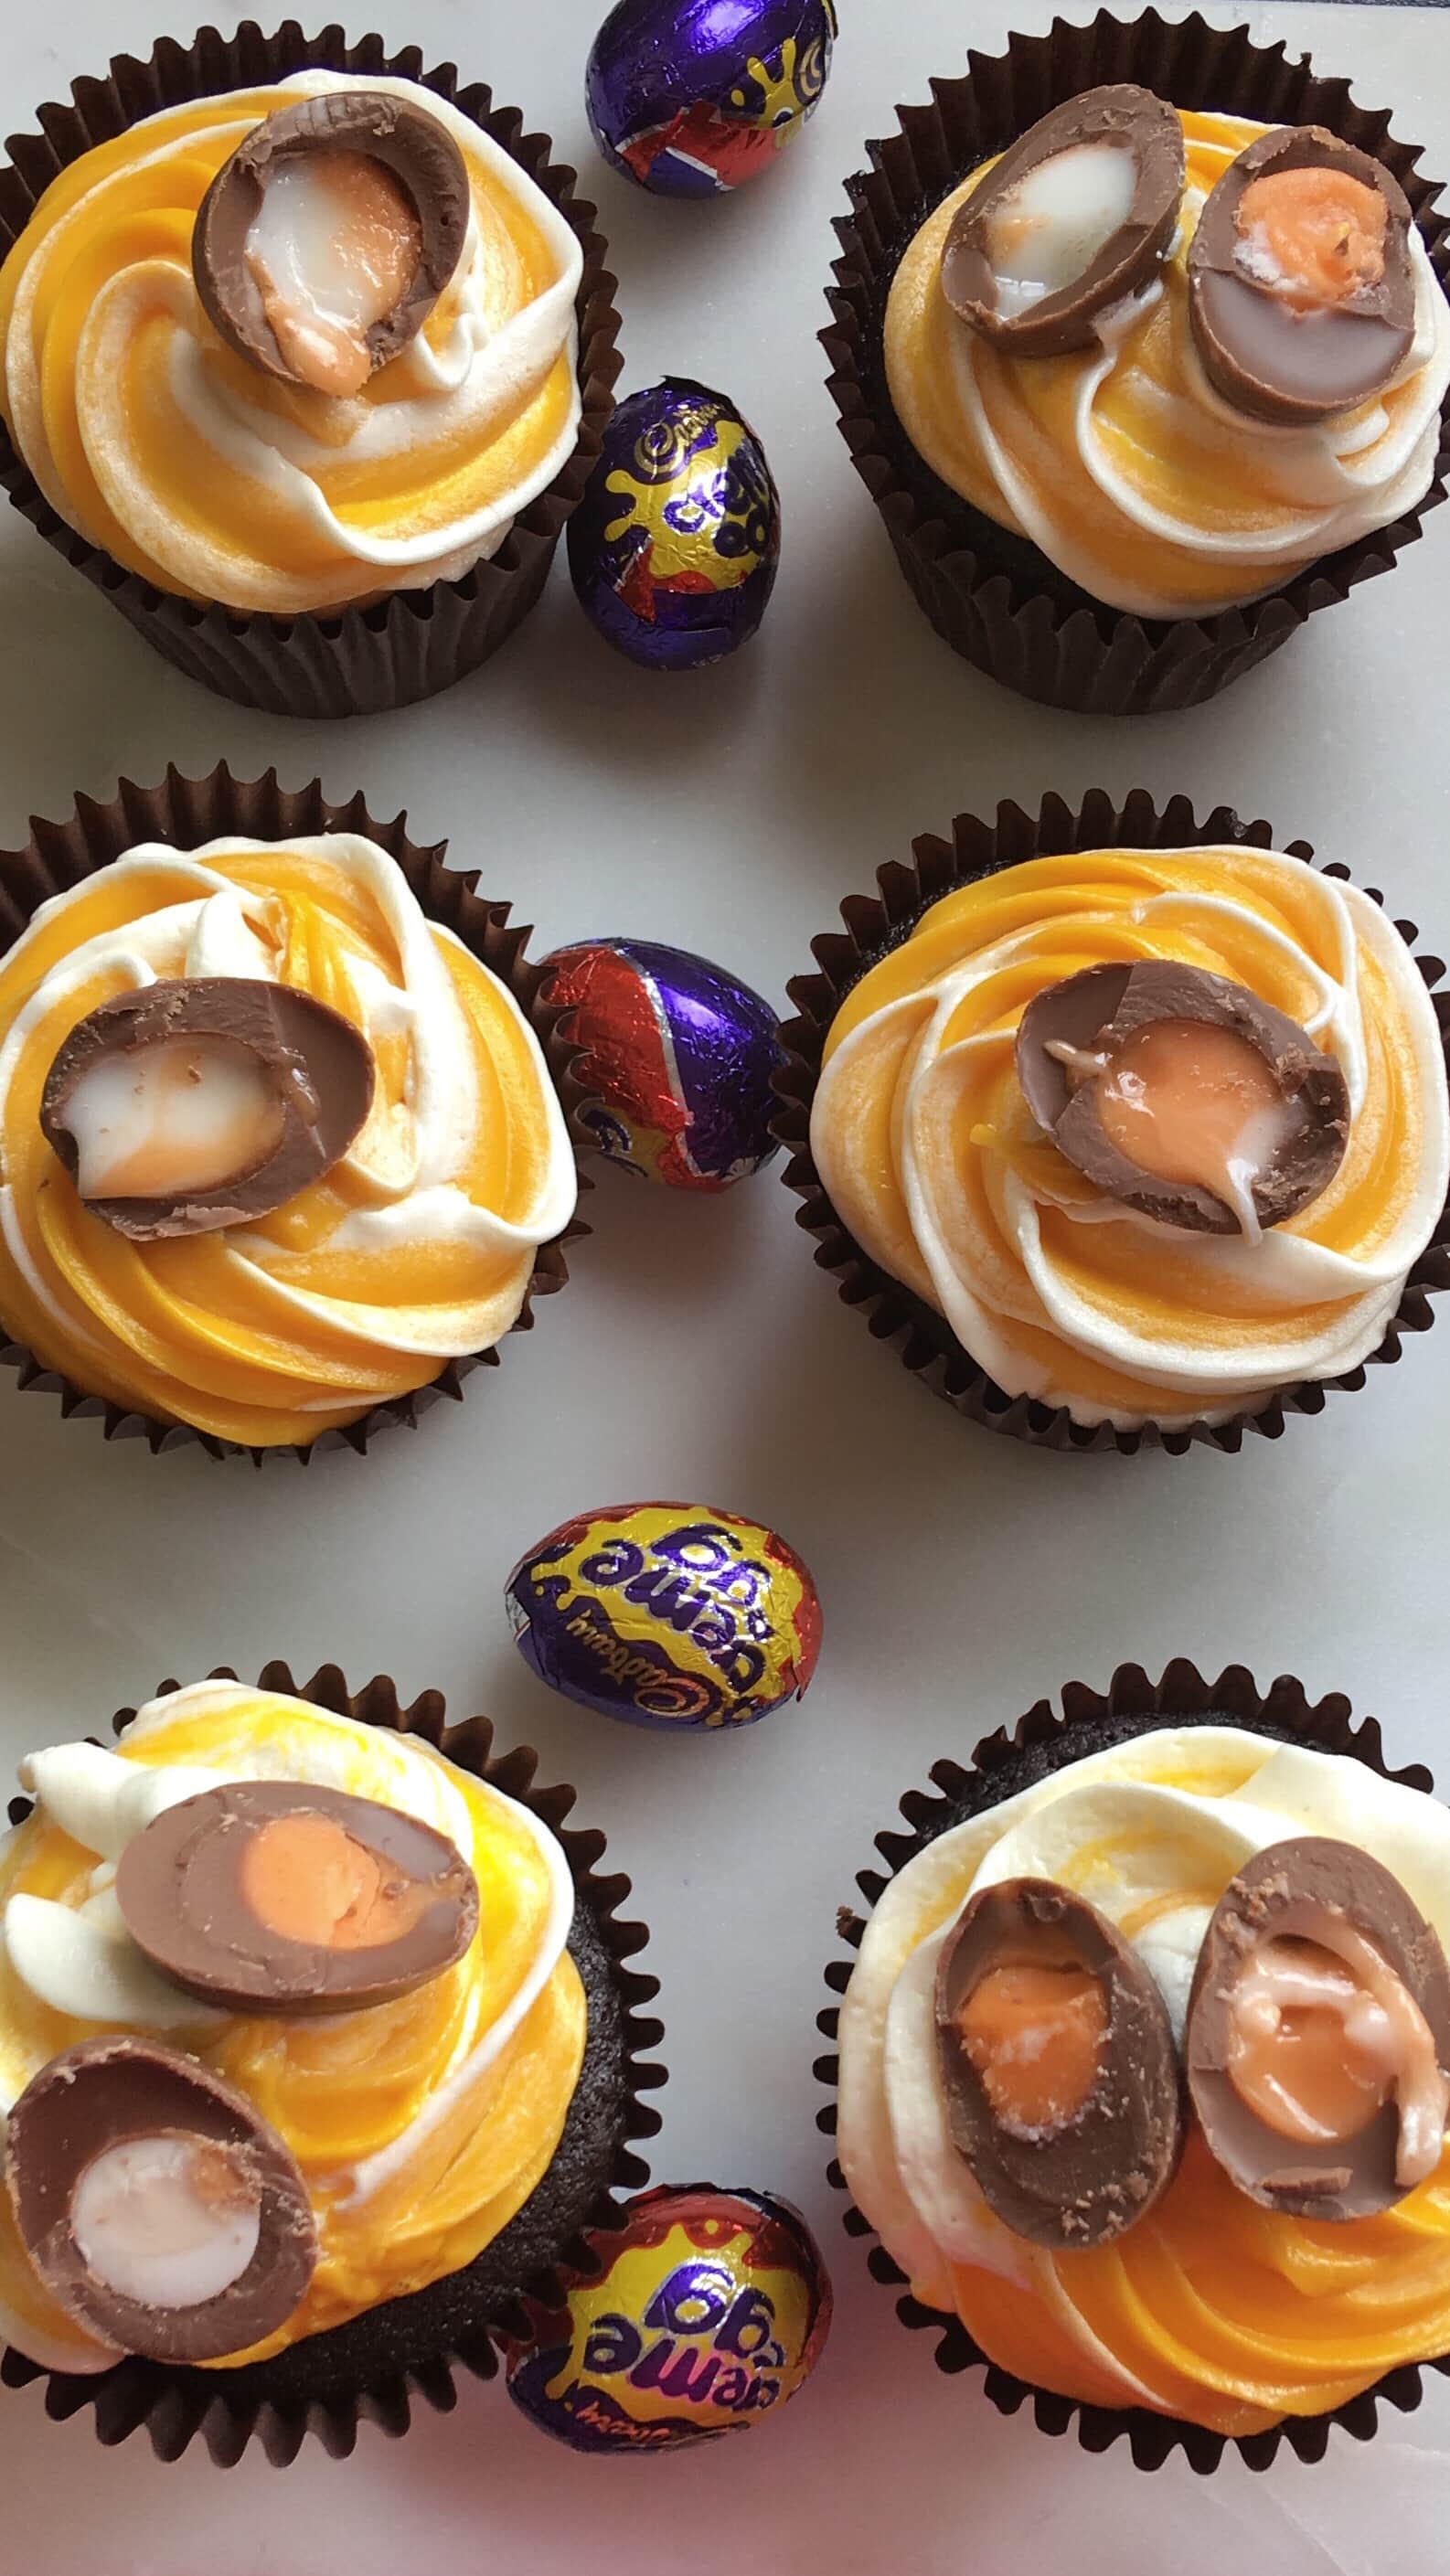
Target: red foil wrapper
(994,598)
(1050,1738)
(412,643)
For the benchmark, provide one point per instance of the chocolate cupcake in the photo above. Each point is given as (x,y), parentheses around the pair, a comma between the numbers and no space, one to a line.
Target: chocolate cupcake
(1225,2221)
(225,2213)
(1093,1124)
(337,361)
(283,1122)
(1141,347)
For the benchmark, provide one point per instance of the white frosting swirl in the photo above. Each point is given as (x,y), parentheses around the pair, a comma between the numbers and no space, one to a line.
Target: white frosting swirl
(925,1148)
(204,473)
(1150,1832)
(1123,465)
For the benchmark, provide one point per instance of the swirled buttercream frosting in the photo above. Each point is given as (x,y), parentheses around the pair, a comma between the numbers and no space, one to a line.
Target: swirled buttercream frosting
(421,2125)
(157,441)
(415,1248)
(925,1144)
(1211,2308)
(1121,463)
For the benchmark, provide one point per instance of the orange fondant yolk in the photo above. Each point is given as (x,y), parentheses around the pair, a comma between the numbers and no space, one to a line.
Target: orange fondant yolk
(348,263)
(1190,1102)
(1319,234)
(1034,2030)
(307,1879)
(165,1121)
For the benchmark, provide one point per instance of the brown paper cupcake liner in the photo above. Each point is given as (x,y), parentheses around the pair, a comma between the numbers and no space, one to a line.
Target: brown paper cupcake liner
(412,643)
(921,1338)
(1047,1739)
(992,596)
(373,2369)
(186,812)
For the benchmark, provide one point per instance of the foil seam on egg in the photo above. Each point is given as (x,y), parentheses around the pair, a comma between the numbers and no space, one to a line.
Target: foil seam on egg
(875,924)
(1136,1703)
(173,2403)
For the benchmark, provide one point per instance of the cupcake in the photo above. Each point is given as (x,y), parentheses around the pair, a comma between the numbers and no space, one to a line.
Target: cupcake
(1145,2063)
(1123,1145)
(305,360)
(289,2132)
(281,1149)
(1142,349)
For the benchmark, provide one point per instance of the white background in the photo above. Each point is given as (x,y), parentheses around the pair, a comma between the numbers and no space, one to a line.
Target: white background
(697,1353)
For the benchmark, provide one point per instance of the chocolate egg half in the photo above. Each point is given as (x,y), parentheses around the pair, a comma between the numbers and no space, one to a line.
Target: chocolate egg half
(1183,1095)
(323,244)
(1077,215)
(1057,2064)
(1301,292)
(271,1896)
(1318,2033)
(156,2204)
(690,101)
(710,2311)
(204,1102)
(675,545)
(677,1055)
(668,1615)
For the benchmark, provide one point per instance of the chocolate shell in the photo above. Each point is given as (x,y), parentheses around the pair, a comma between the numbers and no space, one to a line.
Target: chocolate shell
(1123,118)
(1298,1891)
(1096,1012)
(208,1890)
(413,146)
(204,2141)
(1093,2174)
(1294,362)
(317,1066)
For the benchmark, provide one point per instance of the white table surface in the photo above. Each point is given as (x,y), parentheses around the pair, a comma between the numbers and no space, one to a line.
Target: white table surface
(698,1352)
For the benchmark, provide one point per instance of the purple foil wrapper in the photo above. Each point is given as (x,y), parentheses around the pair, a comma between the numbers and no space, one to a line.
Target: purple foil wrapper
(677,1057)
(667,1615)
(691,98)
(675,545)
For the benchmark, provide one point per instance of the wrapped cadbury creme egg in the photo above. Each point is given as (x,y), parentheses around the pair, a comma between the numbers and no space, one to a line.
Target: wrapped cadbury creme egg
(677,1056)
(668,1615)
(691,100)
(675,545)
(710,2309)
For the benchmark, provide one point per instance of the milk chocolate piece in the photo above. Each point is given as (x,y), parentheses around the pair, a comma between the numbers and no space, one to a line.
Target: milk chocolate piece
(1121,118)
(269,1896)
(1280,344)
(1308,1890)
(1086,2177)
(418,152)
(1094,1014)
(318,1079)
(137,2177)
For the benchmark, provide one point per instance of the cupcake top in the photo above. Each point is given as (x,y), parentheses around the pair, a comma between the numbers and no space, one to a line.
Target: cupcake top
(274,1147)
(1157,1132)
(364,2116)
(1287,1909)
(1184,354)
(393,378)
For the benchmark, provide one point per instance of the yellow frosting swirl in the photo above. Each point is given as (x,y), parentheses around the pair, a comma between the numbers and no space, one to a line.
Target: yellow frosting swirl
(1122,464)
(208,477)
(415,1249)
(1211,2308)
(421,2126)
(928,1152)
